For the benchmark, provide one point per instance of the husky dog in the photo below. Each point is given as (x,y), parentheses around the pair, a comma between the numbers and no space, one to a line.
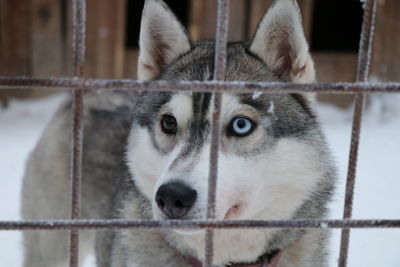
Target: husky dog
(147,156)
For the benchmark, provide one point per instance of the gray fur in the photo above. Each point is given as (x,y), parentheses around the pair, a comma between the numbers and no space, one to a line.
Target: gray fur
(111,190)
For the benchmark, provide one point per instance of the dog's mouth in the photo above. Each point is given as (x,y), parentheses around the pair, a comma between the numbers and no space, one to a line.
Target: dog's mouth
(234,211)
(189,232)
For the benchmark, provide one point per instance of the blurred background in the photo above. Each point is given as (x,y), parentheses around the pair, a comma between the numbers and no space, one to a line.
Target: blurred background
(35,37)
(35,41)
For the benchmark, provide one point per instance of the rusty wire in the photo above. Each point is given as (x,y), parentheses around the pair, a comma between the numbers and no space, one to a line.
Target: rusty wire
(197,86)
(194,224)
(78,50)
(221,41)
(364,62)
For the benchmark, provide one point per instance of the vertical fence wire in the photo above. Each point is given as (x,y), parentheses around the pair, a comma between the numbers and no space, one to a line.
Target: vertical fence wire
(78,31)
(221,40)
(364,62)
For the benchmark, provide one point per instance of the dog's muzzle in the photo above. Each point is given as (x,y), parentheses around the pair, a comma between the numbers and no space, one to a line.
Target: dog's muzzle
(175,199)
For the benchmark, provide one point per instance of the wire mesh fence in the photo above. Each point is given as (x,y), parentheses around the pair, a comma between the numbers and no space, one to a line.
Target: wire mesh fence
(78,85)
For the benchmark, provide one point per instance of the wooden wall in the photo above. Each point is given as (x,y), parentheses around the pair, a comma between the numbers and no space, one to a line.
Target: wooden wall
(35,39)
(105,38)
(14,42)
(386,53)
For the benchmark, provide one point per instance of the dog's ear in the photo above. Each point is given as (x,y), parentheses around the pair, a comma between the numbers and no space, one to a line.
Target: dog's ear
(280,42)
(162,39)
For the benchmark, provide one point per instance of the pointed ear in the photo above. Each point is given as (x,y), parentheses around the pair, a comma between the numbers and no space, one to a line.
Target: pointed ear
(280,42)
(162,39)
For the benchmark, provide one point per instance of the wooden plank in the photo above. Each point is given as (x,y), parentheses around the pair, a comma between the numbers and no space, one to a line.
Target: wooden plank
(209,19)
(105,38)
(237,21)
(2,29)
(197,12)
(258,9)
(46,42)
(336,67)
(130,66)
(386,52)
(14,43)
(203,19)
(15,35)
(307,10)
(67,50)
(3,96)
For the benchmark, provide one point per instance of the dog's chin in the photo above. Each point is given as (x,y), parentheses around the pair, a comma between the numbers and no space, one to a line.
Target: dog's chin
(189,232)
(234,212)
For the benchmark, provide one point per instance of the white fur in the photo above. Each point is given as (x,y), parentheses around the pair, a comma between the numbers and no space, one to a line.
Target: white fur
(256,95)
(148,163)
(271,185)
(271,108)
(181,107)
(280,37)
(162,39)
(144,162)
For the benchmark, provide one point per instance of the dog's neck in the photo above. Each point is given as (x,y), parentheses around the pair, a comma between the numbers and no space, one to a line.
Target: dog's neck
(270,259)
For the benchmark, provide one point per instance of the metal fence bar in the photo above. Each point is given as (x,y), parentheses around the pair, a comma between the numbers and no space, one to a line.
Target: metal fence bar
(193,224)
(364,62)
(221,41)
(78,42)
(198,86)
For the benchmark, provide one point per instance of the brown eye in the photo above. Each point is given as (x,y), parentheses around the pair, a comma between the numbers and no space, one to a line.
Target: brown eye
(169,124)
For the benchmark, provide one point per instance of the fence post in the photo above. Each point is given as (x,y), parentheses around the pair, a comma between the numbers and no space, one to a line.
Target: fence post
(14,43)
(386,56)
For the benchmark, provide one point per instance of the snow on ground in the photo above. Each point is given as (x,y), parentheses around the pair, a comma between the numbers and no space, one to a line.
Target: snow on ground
(378,178)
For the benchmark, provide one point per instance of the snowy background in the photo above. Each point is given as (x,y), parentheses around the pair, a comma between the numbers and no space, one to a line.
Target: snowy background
(377,190)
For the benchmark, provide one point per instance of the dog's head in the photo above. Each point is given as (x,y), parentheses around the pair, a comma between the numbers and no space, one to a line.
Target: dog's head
(270,148)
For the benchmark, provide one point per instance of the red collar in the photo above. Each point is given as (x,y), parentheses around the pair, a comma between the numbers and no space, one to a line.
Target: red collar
(268,260)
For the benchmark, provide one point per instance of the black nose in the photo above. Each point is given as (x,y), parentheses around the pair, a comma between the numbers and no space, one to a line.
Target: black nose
(175,199)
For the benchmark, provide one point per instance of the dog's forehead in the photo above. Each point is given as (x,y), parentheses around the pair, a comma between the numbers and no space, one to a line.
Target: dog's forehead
(197,107)
(191,104)
(198,65)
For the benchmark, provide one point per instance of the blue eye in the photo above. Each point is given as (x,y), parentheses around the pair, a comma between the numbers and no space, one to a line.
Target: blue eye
(241,126)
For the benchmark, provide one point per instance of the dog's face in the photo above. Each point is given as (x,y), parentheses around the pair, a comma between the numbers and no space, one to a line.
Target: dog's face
(270,145)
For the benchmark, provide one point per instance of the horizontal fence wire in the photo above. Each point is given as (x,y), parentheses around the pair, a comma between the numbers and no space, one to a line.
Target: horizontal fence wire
(364,63)
(193,224)
(197,86)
